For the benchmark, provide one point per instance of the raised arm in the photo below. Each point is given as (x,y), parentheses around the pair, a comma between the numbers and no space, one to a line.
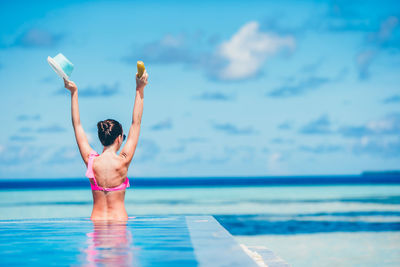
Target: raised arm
(128,150)
(83,144)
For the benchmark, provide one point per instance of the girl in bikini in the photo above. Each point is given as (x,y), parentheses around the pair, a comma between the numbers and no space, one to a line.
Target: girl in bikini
(107,172)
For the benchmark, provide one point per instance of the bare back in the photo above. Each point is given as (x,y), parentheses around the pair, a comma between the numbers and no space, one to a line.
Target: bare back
(109,170)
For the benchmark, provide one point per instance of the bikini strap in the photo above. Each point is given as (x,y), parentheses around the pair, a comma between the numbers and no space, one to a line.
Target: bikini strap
(89,171)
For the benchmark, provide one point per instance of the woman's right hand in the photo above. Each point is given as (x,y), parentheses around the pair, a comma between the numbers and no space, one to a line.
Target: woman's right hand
(142,81)
(70,85)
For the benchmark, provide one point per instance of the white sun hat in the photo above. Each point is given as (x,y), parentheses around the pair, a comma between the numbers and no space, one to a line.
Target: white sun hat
(61,65)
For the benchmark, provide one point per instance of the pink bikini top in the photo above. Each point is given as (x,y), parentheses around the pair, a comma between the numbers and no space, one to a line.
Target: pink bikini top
(90,174)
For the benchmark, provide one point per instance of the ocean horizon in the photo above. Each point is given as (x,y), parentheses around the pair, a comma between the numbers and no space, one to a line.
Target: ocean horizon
(365,178)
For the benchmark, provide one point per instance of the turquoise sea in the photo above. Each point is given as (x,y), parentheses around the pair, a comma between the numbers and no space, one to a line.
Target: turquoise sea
(307,225)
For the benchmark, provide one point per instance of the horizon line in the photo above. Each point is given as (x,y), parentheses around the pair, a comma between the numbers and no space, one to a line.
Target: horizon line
(363,173)
(360,179)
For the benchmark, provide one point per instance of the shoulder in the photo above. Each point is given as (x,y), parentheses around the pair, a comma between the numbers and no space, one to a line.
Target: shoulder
(124,159)
(90,156)
(93,153)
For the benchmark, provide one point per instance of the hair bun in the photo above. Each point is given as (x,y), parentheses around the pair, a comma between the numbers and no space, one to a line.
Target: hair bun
(102,125)
(108,130)
(106,126)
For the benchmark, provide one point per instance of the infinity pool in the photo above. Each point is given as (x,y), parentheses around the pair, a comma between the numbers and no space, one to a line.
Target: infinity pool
(140,241)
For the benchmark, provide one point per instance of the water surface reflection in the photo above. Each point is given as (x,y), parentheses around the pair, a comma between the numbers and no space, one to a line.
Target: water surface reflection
(110,243)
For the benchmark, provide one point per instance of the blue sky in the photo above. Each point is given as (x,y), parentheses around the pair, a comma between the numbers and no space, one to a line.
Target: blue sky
(235,88)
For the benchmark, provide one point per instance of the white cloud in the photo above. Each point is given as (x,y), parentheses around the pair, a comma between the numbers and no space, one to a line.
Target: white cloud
(275,157)
(247,50)
(387,147)
(388,124)
(274,163)
(241,57)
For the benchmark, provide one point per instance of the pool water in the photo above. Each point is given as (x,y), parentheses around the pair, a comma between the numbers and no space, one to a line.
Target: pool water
(140,241)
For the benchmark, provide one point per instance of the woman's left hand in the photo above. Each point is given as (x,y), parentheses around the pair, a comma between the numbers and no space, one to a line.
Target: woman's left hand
(70,85)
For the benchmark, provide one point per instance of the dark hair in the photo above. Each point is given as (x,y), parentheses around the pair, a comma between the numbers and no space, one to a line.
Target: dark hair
(108,131)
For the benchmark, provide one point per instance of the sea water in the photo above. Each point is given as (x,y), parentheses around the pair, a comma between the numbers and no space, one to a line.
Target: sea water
(353,225)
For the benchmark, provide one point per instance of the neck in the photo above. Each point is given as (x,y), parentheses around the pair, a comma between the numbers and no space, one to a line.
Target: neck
(111,148)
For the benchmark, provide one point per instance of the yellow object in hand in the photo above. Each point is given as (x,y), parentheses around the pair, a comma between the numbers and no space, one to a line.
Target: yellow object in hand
(140,68)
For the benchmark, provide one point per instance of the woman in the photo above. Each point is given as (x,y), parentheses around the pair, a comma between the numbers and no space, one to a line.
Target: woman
(107,172)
